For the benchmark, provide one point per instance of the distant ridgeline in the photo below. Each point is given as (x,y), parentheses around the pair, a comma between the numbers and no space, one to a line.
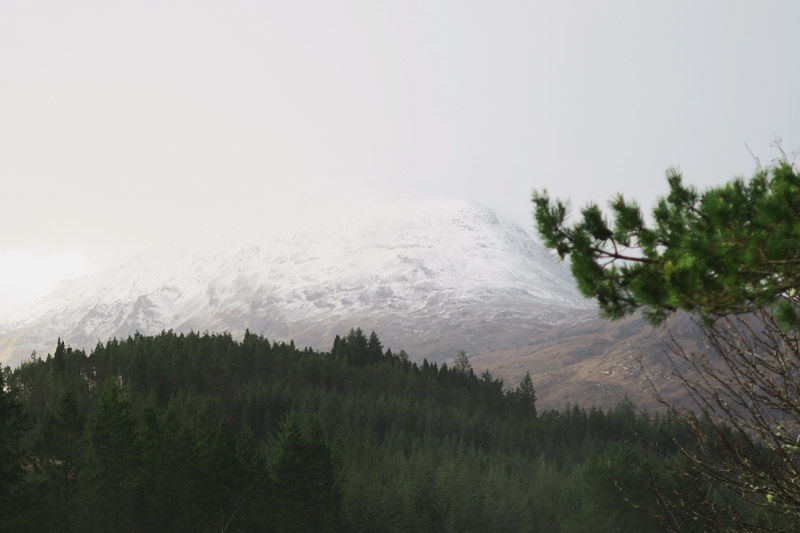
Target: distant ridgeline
(201,432)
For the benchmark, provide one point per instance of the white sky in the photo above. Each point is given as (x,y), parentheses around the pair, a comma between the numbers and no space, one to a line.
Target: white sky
(125,123)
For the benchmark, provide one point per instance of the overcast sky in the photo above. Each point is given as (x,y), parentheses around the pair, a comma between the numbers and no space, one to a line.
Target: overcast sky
(125,123)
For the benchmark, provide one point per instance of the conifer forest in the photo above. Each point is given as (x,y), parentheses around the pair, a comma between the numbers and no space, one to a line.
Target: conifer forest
(202,432)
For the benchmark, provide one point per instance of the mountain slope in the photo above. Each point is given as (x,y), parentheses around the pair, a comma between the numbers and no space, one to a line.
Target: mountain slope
(431,277)
(600,362)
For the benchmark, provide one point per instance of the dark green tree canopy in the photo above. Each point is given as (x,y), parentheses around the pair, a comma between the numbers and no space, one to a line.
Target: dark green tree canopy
(732,249)
(200,432)
(12,425)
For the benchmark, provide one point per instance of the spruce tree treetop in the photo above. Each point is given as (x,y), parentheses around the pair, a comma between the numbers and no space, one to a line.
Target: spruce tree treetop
(732,249)
(461,363)
(526,396)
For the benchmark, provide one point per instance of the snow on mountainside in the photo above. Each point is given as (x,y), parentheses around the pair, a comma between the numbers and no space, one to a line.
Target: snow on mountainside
(430,277)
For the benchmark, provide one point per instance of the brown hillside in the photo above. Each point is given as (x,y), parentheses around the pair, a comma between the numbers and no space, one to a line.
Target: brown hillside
(597,362)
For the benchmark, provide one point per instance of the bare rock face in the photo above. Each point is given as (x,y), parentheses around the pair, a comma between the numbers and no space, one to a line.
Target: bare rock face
(430,277)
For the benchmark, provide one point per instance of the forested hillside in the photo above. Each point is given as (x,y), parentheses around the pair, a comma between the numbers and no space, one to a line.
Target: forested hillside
(201,432)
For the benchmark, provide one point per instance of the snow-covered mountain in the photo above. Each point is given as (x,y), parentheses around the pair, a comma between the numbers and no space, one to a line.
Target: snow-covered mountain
(431,277)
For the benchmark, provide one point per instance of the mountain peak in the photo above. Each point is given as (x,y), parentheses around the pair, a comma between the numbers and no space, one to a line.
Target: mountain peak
(410,270)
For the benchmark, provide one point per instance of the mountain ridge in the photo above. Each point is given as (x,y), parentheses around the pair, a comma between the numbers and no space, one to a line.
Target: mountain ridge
(421,273)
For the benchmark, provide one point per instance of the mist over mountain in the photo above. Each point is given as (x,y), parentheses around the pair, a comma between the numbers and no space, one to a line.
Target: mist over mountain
(432,277)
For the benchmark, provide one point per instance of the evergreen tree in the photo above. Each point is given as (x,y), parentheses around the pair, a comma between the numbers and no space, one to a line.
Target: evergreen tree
(730,250)
(64,443)
(462,364)
(12,424)
(613,491)
(339,347)
(526,396)
(59,356)
(166,497)
(305,497)
(252,483)
(357,348)
(217,471)
(374,348)
(111,461)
